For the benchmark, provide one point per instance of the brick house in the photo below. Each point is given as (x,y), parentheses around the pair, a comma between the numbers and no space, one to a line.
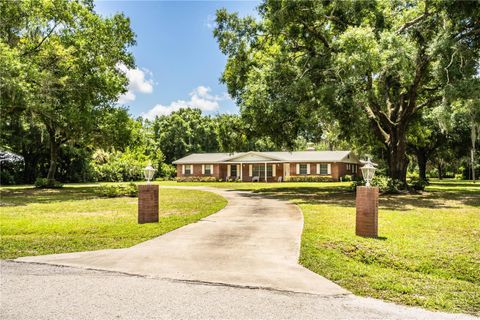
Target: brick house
(250,166)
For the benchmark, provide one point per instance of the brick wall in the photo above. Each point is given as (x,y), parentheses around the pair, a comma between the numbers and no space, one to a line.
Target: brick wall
(197,171)
(220,171)
(147,203)
(367,212)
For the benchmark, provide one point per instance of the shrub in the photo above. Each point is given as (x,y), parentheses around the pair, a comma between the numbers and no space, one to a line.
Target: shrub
(308,179)
(458,176)
(413,175)
(418,184)
(45,183)
(196,179)
(167,170)
(384,184)
(347,177)
(119,166)
(112,191)
(12,167)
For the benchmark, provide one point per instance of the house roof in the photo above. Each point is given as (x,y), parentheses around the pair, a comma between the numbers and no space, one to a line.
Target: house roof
(281,156)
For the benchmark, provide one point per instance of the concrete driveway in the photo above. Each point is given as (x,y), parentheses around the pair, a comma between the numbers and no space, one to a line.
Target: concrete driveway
(253,242)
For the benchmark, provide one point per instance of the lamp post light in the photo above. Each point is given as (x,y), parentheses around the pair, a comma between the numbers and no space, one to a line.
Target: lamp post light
(368,172)
(366,224)
(148,172)
(148,198)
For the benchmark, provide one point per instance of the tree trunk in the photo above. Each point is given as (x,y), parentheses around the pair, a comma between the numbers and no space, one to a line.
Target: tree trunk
(397,155)
(440,170)
(422,164)
(472,153)
(53,158)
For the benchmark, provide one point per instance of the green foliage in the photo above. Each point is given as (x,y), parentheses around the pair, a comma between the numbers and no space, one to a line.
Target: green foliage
(196,179)
(310,178)
(184,131)
(347,178)
(385,184)
(459,176)
(46,183)
(119,190)
(418,184)
(11,168)
(119,166)
(167,170)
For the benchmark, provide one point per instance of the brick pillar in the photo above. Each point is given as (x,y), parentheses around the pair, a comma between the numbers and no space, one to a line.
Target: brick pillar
(367,212)
(147,203)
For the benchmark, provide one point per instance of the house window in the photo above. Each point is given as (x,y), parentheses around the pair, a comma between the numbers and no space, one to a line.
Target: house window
(233,171)
(323,168)
(188,169)
(303,169)
(348,166)
(259,170)
(354,169)
(208,169)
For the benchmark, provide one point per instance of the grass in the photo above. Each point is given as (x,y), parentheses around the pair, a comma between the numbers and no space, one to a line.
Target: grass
(75,218)
(428,253)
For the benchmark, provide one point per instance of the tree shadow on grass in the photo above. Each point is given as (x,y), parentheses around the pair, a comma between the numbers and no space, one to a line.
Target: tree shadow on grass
(22,197)
(341,196)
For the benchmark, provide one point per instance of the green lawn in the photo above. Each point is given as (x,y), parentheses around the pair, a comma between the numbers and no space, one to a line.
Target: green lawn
(75,218)
(428,253)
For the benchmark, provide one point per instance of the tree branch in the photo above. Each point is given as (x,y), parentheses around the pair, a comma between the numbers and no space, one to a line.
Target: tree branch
(42,41)
(412,23)
(426,103)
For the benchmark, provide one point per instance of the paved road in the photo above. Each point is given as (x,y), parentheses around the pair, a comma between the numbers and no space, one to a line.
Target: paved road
(253,242)
(45,292)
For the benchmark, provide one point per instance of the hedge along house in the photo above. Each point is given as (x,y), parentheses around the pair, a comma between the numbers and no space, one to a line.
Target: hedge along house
(269,166)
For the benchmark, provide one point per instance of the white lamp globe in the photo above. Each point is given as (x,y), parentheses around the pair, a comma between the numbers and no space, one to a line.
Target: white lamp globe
(368,172)
(148,172)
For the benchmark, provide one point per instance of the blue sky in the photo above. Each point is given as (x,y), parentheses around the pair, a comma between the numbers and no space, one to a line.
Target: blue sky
(178,60)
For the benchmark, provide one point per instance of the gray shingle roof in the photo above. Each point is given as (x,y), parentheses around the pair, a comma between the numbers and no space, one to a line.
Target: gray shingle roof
(294,156)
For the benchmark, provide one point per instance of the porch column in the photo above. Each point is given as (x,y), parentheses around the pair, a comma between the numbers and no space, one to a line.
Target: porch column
(266,172)
(241,172)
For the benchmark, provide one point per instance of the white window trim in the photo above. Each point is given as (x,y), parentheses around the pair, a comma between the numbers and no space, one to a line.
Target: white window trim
(229,170)
(203,169)
(329,168)
(274,170)
(250,170)
(298,168)
(318,168)
(208,166)
(308,168)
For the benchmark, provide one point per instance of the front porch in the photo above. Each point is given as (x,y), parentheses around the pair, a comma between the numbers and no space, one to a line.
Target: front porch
(254,171)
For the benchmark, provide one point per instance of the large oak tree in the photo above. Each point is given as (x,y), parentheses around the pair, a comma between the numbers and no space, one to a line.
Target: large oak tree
(370,65)
(59,65)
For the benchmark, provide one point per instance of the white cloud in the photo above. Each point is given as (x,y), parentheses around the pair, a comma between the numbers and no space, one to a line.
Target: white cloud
(137,82)
(200,98)
(211,22)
